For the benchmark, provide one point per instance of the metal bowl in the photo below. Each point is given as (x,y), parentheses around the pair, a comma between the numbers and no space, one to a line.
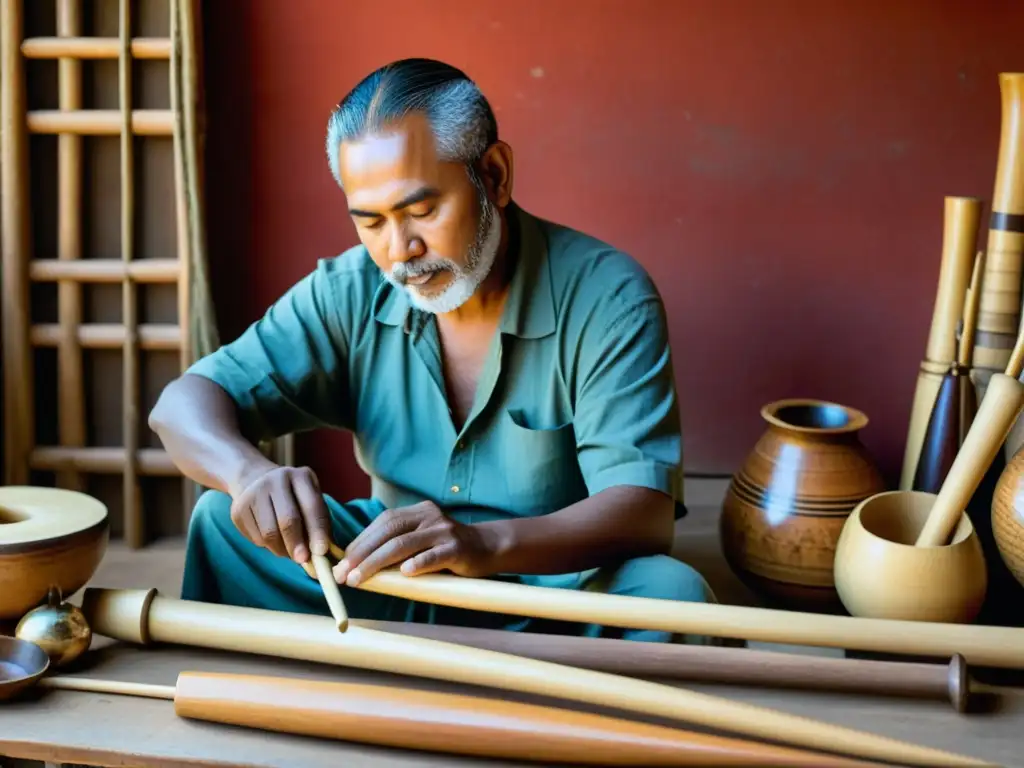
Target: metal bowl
(21,664)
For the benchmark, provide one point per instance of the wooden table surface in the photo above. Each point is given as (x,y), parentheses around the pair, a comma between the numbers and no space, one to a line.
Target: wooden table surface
(111,730)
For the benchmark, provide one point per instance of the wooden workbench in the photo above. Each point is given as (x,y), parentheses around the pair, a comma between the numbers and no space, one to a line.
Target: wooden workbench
(109,730)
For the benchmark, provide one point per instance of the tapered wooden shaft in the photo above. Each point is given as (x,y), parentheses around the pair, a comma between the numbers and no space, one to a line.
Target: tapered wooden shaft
(961,221)
(140,614)
(443,722)
(708,664)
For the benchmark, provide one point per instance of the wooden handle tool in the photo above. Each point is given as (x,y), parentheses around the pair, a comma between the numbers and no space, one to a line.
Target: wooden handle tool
(332,592)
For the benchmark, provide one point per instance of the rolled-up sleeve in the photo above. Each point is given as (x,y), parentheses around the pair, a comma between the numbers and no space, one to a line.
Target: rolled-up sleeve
(287,371)
(626,418)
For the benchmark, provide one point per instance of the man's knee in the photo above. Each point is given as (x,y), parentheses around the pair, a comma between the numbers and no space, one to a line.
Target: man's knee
(665,578)
(211,514)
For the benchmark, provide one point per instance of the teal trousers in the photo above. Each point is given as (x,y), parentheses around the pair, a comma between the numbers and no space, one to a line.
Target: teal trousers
(222,566)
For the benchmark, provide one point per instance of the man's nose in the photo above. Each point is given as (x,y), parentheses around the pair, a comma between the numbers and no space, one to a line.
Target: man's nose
(405,245)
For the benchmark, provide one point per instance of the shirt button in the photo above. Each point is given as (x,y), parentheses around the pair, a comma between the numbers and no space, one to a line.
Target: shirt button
(455,489)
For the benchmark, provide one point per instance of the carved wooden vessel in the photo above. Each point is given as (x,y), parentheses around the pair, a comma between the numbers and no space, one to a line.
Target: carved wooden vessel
(1008,516)
(786,506)
(49,537)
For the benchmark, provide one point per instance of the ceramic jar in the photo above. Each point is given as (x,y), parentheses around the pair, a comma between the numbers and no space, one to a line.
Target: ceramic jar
(786,506)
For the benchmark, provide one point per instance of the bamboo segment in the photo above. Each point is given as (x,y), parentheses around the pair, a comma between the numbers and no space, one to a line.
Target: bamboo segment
(979,645)
(961,219)
(151,336)
(140,614)
(105,270)
(15,237)
(153,462)
(999,309)
(134,524)
(100,122)
(709,664)
(70,47)
(441,722)
(70,374)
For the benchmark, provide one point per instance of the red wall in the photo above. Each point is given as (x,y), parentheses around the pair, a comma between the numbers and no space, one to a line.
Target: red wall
(779,167)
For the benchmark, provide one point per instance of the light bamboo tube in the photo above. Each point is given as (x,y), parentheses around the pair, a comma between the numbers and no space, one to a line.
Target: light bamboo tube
(104,270)
(152,336)
(70,375)
(144,617)
(961,217)
(1000,304)
(134,522)
(153,462)
(979,645)
(15,247)
(100,122)
(446,723)
(93,47)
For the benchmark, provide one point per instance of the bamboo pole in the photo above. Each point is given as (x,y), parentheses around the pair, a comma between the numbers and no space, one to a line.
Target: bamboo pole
(100,122)
(95,48)
(70,374)
(16,239)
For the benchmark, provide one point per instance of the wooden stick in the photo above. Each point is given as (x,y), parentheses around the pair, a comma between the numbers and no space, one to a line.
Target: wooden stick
(105,270)
(70,376)
(980,645)
(152,462)
(94,48)
(961,218)
(332,592)
(709,664)
(159,336)
(100,122)
(441,722)
(15,247)
(965,347)
(134,523)
(143,616)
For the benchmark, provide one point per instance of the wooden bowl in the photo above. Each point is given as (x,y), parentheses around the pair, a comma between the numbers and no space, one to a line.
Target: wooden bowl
(49,537)
(879,573)
(1008,516)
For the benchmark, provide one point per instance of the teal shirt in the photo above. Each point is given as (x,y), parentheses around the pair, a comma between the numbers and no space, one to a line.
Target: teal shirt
(577,394)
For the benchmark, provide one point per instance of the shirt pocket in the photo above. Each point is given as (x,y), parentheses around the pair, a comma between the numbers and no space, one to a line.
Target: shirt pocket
(539,465)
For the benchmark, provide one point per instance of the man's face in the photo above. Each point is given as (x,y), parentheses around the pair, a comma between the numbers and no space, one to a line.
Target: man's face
(423,221)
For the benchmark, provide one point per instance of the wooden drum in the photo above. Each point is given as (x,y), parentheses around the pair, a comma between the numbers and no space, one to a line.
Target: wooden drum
(48,537)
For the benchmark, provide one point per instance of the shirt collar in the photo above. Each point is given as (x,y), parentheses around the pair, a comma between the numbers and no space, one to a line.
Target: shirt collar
(529,309)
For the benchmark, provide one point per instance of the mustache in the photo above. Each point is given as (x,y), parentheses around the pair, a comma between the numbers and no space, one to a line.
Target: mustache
(404,271)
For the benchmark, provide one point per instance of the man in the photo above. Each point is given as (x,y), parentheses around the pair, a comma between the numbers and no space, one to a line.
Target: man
(508,381)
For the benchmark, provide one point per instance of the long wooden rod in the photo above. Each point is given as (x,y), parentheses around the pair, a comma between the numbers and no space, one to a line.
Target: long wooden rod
(70,374)
(442,722)
(15,250)
(100,122)
(709,664)
(980,645)
(93,47)
(134,524)
(144,616)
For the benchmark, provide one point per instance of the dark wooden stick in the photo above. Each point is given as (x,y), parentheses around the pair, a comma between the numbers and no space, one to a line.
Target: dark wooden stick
(709,664)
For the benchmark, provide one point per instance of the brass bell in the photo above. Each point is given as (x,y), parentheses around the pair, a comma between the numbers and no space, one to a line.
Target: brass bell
(59,628)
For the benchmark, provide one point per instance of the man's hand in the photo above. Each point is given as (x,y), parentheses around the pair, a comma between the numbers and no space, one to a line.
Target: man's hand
(422,539)
(282,509)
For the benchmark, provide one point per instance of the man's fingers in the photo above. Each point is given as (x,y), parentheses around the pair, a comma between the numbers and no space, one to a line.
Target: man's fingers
(289,520)
(266,519)
(390,552)
(392,523)
(432,560)
(314,514)
(242,517)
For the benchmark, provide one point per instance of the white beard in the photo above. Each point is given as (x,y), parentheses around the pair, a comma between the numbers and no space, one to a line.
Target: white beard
(465,279)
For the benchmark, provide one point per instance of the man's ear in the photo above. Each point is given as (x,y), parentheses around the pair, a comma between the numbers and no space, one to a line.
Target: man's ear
(495,169)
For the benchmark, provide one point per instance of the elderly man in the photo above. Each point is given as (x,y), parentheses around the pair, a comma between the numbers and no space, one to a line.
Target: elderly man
(508,382)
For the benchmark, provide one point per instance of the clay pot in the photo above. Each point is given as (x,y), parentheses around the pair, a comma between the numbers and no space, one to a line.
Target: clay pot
(881,574)
(785,508)
(1008,516)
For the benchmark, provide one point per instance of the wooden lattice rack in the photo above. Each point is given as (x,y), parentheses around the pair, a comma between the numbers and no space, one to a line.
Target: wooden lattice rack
(73,459)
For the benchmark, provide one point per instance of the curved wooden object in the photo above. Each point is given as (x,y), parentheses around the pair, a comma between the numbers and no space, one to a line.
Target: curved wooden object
(882,575)
(785,508)
(999,310)
(443,722)
(709,664)
(961,221)
(1008,516)
(48,537)
(142,616)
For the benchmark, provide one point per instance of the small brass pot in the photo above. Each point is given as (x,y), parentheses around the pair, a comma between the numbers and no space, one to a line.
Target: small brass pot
(59,628)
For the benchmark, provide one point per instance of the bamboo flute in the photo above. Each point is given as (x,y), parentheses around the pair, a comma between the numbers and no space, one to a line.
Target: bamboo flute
(987,646)
(961,217)
(144,617)
(442,722)
(710,664)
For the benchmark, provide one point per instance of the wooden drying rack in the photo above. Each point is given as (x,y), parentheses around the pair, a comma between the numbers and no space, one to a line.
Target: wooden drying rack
(72,458)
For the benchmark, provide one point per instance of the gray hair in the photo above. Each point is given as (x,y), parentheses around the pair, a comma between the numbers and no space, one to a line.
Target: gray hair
(460,117)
